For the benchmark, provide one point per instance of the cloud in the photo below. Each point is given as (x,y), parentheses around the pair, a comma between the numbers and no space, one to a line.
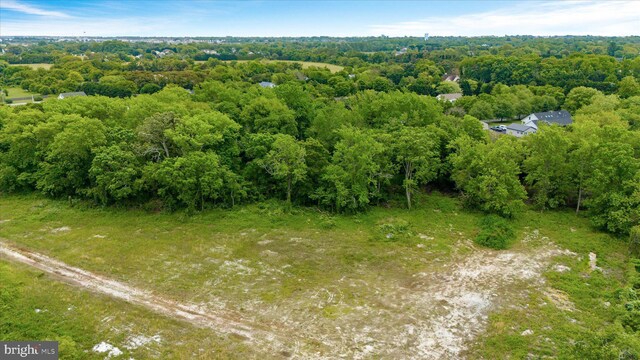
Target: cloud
(605,18)
(14,5)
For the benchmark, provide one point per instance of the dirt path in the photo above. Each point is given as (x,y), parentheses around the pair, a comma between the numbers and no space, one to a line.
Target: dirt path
(190,313)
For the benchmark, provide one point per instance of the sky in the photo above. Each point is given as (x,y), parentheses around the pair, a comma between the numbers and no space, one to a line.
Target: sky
(317,18)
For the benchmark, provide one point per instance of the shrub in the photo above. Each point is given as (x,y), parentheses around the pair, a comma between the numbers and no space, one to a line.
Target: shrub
(8,101)
(495,232)
(150,88)
(37,98)
(634,241)
(327,222)
(394,230)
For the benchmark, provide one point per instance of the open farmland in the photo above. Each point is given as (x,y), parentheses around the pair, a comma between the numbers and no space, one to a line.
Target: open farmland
(305,64)
(35,66)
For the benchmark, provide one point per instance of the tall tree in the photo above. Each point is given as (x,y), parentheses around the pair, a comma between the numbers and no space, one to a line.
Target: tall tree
(547,166)
(417,151)
(286,161)
(349,181)
(488,174)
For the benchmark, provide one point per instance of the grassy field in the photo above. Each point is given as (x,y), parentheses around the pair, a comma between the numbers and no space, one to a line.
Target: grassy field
(38,307)
(368,278)
(35,66)
(305,64)
(18,92)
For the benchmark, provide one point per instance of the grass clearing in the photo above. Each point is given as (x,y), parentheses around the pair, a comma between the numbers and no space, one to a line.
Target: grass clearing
(18,92)
(35,66)
(305,64)
(327,278)
(38,307)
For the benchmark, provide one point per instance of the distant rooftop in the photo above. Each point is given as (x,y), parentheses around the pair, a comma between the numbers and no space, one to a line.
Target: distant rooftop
(561,117)
(71,94)
(519,127)
(267,84)
(450,97)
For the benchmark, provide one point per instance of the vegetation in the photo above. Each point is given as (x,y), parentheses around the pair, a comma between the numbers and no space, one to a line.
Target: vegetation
(17,92)
(305,64)
(181,145)
(495,233)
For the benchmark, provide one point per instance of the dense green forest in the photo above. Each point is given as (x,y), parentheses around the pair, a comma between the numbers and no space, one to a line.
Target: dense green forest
(345,140)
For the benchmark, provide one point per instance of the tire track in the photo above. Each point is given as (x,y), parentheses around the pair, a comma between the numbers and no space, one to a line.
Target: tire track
(219,322)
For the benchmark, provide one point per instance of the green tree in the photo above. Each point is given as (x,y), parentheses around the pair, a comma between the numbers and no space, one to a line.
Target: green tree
(579,97)
(286,161)
(547,166)
(154,136)
(328,120)
(113,173)
(191,180)
(298,100)
(150,88)
(488,174)
(482,110)
(448,87)
(628,87)
(417,151)
(269,116)
(634,241)
(349,181)
(65,170)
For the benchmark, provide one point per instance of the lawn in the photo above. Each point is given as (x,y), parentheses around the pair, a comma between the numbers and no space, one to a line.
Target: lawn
(35,66)
(305,64)
(18,92)
(309,274)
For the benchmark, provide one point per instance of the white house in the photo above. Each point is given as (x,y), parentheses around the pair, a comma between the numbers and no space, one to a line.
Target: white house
(71,94)
(562,118)
(519,130)
(449,97)
(267,84)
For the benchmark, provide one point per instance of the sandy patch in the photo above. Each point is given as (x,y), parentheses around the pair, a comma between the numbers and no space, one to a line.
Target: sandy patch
(560,299)
(104,347)
(136,341)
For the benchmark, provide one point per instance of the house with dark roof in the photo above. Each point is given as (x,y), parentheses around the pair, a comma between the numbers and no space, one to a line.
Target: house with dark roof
(520,130)
(562,118)
(71,94)
(451,77)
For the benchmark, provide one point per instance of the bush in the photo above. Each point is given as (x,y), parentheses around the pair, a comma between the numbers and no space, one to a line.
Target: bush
(327,222)
(634,241)
(8,101)
(150,88)
(495,232)
(394,230)
(37,98)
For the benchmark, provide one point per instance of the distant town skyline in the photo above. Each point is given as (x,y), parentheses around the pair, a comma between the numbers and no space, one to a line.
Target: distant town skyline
(317,18)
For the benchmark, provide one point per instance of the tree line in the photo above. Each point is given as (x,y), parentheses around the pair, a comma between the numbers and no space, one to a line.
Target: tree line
(235,142)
